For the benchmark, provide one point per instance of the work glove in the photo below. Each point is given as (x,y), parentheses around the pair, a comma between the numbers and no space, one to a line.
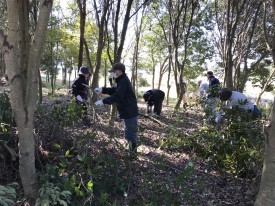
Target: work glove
(99,103)
(112,75)
(79,98)
(98,90)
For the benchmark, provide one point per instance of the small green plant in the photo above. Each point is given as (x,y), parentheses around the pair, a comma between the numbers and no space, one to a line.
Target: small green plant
(6,115)
(68,114)
(8,194)
(50,194)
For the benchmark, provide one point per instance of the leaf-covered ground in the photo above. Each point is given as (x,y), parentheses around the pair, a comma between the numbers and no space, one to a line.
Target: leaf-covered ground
(165,172)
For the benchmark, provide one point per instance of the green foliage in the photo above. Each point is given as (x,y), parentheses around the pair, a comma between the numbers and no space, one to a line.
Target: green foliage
(261,74)
(8,194)
(63,114)
(142,82)
(6,115)
(50,194)
(235,146)
(67,115)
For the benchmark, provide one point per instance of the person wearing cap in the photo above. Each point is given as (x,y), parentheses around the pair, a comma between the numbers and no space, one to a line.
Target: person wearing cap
(214,84)
(79,89)
(212,95)
(123,95)
(237,100)
(154,97)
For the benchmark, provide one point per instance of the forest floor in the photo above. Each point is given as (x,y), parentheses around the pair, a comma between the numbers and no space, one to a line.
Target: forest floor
(161,173)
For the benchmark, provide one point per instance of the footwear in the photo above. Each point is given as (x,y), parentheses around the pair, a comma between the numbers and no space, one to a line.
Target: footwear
(133,150)
(133,147)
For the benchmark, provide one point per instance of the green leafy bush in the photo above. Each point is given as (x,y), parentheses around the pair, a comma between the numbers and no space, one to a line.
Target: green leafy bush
(50,194)
(8,194)
(6,115)
(64,114)
(236,145)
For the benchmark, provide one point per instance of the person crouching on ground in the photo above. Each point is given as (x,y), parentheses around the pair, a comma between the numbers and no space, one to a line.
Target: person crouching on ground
(79,90)
(237,100)
(123,95)
(154,97)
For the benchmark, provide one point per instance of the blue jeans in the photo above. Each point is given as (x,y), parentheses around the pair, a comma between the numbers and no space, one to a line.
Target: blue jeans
(130,129)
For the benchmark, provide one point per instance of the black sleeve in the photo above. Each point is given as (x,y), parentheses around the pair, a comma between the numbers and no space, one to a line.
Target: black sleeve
(119,93)
(109,91)
(75,87)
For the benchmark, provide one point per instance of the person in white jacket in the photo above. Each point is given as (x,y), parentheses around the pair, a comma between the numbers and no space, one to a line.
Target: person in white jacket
(203,87)
(238,100)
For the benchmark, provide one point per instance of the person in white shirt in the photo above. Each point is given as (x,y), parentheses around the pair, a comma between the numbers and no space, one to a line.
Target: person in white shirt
(203,87)
(238,100)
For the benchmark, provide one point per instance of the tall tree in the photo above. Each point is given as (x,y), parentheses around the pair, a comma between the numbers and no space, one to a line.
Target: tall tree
(118,34)
(182,16)
(101,21)
(266,194)
(237,39)
(82,13)
(22,57)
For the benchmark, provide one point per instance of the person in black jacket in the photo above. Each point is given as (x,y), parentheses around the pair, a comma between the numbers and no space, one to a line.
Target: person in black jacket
(154,97)
(123,95)
(212,95)
(79,90)
(214,85)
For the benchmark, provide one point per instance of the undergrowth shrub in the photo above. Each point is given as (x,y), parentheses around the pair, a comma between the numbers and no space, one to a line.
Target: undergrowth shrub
(235,146)
(8,194)
(90,180)
(6,125)
(6,115)
(50,194)
(65,114)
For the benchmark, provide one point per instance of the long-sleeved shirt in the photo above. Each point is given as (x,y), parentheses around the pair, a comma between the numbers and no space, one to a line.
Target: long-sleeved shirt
(123,95)
(239,100)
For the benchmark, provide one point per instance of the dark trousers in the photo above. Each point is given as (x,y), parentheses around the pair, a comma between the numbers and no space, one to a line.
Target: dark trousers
(158,107)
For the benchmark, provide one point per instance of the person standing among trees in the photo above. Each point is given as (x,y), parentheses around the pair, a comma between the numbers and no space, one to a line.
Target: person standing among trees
(154,97)
(212,95)
(79,90)
(123,95)
(203,87)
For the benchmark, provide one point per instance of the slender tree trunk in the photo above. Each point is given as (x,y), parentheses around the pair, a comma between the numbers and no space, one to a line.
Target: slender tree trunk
(40,93)
(266,194)
(22,58)
(82,14)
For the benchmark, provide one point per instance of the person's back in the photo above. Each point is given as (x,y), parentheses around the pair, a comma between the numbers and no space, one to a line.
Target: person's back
(158,95)
(154,97)
(239,100)
(203,87)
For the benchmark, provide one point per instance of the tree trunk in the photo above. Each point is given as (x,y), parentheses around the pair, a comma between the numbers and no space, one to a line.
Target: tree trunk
(266,194)
(40,85)
(22,67)
(101,23)
(82,14)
